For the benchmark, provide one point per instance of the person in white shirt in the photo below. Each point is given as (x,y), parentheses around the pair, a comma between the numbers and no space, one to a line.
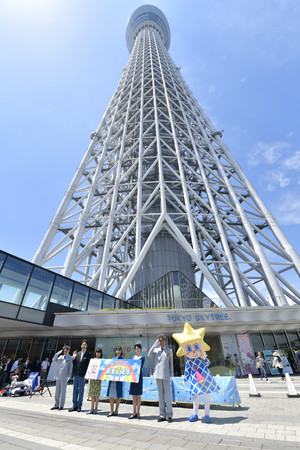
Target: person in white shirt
(15,365)
(44,367)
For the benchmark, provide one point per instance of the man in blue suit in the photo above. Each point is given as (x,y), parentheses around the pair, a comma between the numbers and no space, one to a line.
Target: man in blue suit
(80,365)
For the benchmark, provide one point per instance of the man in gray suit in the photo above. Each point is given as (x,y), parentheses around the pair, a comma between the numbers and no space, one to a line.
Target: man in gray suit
(163,372)
(63,374)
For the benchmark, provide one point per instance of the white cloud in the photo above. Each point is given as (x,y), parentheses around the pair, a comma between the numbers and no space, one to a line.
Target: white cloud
(211,89)
(270,187)
(278,178)
(264,152)
(288,209)
(293,163)
(290,134)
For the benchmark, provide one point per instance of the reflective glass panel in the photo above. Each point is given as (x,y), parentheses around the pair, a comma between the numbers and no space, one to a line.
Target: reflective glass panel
(62,291)
(2,258)
(10,351)
(38,289)
(2,346)
(36,354)
(23,350)
(257,342)
(269,341)
(108,301)
(79,297)
(281,340)
(13,278)
(61,342)
(95,300)
(294,340)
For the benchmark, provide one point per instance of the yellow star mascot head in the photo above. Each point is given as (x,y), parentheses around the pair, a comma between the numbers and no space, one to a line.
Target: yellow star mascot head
(191,342)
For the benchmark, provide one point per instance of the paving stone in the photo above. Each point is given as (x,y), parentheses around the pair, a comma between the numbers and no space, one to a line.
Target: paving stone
(229,442)
(269,422)
(250,445)
(102,445)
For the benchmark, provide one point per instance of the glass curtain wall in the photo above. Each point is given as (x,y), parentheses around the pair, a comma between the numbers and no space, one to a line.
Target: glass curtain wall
(279,340)
(25,287)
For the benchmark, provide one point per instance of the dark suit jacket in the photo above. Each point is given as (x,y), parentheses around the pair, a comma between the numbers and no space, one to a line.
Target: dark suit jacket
(9,366)
(80,367)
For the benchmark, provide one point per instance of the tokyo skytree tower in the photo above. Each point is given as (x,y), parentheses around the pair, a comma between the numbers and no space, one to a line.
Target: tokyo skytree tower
(158,192)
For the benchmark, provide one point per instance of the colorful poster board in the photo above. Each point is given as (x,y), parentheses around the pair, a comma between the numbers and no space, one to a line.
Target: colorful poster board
(269,358)
(124,370)
(228,394)
(108,347)
(247,353)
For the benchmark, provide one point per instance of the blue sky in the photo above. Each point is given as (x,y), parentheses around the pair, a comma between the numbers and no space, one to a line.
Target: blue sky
(61,61)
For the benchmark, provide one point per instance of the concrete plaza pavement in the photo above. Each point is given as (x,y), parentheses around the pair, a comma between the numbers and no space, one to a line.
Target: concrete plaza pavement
(271,421)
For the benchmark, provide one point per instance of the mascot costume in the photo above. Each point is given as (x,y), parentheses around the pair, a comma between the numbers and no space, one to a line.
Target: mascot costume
(192,345)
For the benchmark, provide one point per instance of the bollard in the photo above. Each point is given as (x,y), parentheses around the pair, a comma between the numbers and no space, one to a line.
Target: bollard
(253,390)
(290,387)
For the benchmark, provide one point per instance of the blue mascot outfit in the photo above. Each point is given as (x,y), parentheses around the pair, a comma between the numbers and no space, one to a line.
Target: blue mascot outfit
(191,343)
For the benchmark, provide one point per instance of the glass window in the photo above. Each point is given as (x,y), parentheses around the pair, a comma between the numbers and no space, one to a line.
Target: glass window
(76,344)
(2,346)
(11,348)
(257,342)
(79,297)
(13,278)
(38,290)
(175,278)
(36,353)
(269,341)
(61,342)
(294,340)
(95,300)
(2,259)
(24,347)
(108,301)
(281,339)
(49,349)
(61,291)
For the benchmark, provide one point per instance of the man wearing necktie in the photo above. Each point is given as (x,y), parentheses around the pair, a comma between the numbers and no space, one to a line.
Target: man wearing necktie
(63,374)
(80,366)
(163,372)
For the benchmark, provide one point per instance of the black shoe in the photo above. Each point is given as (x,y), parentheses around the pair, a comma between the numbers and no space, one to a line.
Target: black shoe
(61,408)
(161,419)
(169,419)
(54,407)
(133,416)
(78,409)
(73,409)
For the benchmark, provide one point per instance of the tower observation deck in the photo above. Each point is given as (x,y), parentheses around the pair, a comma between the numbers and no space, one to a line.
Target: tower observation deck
(158,193)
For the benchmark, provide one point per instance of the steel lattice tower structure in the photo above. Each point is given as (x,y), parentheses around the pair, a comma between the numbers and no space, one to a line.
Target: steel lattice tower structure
(158,190)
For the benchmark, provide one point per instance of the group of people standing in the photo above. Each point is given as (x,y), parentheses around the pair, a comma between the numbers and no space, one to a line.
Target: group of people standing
(78,365)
